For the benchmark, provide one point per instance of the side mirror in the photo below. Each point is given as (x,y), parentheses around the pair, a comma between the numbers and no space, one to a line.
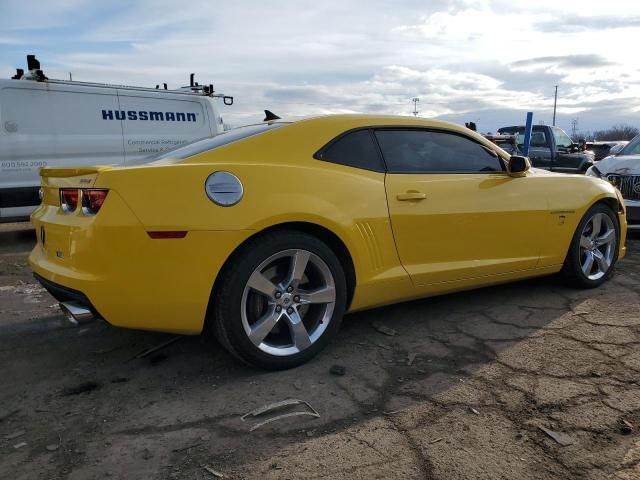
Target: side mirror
(518,166)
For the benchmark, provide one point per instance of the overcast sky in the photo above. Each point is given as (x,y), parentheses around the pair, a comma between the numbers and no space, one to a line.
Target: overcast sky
(486,61)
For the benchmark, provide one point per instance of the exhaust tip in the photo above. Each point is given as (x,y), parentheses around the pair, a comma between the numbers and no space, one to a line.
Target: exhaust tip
(76,313)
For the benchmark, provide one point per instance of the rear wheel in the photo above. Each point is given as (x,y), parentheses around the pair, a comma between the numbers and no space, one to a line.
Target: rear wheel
(280,300)
(594,248)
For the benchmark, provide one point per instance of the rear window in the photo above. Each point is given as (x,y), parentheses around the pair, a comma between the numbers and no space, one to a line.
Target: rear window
(538,135)
(210,143)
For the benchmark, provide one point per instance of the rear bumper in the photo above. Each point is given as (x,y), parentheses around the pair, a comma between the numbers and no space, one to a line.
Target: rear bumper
(110,264)
(162,285)
(66,294)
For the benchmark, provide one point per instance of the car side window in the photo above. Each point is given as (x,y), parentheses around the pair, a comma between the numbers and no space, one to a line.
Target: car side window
(355,149)
(562,139)
(427,151)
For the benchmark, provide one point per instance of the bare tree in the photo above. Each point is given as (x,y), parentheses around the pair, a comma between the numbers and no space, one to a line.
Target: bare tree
(617,132)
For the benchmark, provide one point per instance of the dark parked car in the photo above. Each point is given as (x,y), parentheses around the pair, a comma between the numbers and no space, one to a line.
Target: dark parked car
(550,148)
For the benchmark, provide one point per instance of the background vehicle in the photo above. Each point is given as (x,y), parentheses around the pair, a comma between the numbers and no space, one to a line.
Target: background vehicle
(623,171)
(266,234)
(551,148)
(605,148)
(56,123)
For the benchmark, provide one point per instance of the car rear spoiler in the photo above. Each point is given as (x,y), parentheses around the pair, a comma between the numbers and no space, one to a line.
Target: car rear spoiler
(71,171)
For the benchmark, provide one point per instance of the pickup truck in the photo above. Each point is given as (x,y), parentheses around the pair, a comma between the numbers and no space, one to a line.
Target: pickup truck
(550,148)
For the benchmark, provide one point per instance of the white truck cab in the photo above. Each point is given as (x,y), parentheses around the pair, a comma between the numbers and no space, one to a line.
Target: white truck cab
(57,123)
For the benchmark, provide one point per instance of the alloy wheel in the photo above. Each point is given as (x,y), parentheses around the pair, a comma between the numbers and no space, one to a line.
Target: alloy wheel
(597,246)
(288,302)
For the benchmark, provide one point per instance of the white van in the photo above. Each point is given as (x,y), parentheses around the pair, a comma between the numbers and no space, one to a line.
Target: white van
(66,123)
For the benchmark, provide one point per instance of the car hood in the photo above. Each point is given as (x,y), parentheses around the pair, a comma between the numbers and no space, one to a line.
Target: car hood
(621,164)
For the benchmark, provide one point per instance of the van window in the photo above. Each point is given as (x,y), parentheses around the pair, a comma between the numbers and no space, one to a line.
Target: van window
(206,144)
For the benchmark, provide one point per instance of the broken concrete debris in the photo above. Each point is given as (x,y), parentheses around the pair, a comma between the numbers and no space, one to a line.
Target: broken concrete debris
(383,329)
(626,428)
(13,435)
(84,387)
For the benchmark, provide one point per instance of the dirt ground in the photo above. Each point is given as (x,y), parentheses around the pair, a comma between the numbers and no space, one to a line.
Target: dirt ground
(463,390)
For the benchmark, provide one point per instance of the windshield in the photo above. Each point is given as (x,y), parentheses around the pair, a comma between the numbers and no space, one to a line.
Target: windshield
(209,143)
(632,148)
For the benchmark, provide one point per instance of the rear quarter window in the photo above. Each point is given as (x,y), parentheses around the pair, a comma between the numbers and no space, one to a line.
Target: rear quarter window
(354,149)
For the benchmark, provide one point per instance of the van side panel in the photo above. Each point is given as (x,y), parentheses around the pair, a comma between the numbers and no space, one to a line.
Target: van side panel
(51,125)
(153,125)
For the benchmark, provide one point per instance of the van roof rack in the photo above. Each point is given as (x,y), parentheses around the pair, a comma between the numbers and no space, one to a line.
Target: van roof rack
(194,88)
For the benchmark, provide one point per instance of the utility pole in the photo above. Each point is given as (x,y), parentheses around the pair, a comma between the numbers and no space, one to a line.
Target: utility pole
(415,101)
(574,128)
(555,104)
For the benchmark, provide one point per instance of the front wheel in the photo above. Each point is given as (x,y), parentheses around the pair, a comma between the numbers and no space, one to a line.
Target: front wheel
(594,248)
(280,301)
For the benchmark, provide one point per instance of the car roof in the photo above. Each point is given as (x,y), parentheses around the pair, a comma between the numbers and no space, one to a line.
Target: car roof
(521,127)
(369,120)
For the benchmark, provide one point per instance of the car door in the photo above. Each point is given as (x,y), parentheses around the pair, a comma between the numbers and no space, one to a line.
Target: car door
(567,160)
(540,149)
(455,213)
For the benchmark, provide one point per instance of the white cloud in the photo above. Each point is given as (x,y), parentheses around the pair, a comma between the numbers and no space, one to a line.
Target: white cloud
(480,59)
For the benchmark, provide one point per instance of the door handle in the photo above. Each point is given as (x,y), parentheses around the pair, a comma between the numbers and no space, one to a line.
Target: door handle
(411,195)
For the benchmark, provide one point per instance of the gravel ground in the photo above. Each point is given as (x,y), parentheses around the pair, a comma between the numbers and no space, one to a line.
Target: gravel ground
(472,386)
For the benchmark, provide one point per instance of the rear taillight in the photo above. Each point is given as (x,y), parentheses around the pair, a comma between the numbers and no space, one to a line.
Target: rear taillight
(69,199)
(92,200)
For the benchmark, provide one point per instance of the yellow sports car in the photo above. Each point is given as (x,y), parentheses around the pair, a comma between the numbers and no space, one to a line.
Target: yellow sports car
(267,234)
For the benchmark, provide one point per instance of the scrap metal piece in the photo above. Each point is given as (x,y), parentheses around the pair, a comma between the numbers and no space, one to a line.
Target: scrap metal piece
(212,471)
(160,346)
(277,406)
(561,438)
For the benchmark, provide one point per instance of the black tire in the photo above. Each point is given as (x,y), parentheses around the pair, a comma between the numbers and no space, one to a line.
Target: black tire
(572,269)
(225,315)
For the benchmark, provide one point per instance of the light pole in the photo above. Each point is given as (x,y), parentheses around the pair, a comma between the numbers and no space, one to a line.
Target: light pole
(415,101)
